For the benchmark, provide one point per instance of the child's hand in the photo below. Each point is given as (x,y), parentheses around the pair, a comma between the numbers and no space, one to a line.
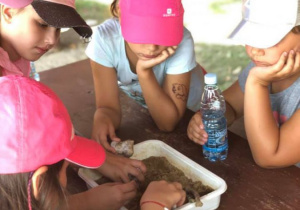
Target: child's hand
(287,66)
(196,130)
(104,128)
(111,195)
(150,63)
(167,194)
(119,168)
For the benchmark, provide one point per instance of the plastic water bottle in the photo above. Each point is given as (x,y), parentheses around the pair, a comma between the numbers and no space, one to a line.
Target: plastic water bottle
(212,109)
(33,73)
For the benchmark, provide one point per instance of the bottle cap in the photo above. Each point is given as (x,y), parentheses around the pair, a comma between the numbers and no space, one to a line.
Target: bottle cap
(210,79)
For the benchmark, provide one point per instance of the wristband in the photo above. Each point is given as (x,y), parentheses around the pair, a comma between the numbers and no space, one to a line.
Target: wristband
(155,202)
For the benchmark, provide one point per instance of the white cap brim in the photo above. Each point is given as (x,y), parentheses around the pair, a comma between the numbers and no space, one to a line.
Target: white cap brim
(258,35)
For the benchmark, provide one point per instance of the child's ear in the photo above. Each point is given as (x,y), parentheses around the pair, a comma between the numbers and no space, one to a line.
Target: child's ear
(7,13)
(36,179)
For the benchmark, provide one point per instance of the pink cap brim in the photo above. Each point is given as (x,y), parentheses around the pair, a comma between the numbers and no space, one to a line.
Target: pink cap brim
(16,3)
(259,35)
(152,30)
(87,153)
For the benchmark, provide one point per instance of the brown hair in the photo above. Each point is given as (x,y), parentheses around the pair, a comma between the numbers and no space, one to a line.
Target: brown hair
(296,29)
(13,191)
(113,8)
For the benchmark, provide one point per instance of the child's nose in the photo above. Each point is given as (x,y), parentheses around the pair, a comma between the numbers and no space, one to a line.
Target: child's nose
(52,37)
(152,47)
(257,51)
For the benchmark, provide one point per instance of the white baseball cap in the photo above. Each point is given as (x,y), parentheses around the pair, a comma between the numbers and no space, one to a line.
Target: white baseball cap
(266,22)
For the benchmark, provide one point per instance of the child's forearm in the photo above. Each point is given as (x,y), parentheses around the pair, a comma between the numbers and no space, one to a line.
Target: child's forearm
(106,112)
(161,107)
(230,114)
(80,201)
(261,128)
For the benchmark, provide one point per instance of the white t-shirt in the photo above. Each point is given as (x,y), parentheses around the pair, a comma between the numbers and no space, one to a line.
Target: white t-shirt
(107,48)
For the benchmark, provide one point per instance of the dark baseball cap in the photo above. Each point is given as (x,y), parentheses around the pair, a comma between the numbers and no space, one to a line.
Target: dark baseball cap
(62,14)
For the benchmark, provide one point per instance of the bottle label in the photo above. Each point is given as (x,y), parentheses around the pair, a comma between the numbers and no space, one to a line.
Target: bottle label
(216,148)
(217,141)
(219,134)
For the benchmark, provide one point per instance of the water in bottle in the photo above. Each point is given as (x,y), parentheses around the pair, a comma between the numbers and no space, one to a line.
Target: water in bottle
(212,109)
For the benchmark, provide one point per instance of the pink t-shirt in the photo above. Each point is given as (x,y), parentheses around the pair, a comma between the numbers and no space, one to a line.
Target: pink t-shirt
(19,67)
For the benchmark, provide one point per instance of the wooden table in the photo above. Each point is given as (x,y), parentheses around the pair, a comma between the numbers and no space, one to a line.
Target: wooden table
(249,186)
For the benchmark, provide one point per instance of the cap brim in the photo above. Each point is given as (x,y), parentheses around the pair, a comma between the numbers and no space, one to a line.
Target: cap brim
(16,4)
(61,16)
(87,153)
(259,36)
(145,30)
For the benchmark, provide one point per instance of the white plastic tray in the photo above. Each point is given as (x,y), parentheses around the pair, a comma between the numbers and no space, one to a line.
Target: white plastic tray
(190,168)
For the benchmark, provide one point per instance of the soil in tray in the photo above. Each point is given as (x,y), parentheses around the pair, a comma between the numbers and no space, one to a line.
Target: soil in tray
(159,168)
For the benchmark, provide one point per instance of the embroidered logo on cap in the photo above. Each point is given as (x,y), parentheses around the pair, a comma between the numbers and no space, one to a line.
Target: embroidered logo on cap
(169,13)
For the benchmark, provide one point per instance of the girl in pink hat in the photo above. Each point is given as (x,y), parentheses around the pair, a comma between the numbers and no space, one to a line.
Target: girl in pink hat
(147,52)
(28,31)
(34,159)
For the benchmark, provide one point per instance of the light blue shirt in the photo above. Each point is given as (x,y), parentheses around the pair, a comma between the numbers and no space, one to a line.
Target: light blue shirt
(107,48)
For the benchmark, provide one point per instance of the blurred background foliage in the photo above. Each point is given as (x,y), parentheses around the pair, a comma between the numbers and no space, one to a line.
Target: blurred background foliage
(227,61)
(217,5)
(90,9)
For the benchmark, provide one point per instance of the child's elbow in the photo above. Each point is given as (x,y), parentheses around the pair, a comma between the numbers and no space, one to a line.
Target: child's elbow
(168,124)
(266,163)
(263,164)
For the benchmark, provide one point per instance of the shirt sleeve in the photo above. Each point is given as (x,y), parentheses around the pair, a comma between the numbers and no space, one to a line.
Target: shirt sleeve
(243,76)
(184,58)
(99,48)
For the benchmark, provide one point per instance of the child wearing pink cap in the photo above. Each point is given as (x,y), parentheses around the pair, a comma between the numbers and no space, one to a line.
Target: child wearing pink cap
(267,91)
(147,52)
(28,31)
(38,144)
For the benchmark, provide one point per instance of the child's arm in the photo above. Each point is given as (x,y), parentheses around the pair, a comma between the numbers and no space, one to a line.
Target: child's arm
(118,168)
(166,105)
(271,146)
(234,98)
(107,116)
(106,196)
(161,194)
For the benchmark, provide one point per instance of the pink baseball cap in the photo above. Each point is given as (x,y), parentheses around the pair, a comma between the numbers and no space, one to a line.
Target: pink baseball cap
(62,14)
(152,21)
(36,129)
(16,3)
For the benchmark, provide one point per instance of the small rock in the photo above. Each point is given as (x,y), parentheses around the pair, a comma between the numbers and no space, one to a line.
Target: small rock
(124,148)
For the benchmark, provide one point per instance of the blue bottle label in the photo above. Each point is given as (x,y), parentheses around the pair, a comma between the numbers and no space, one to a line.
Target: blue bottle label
(217,141)
(218,149)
